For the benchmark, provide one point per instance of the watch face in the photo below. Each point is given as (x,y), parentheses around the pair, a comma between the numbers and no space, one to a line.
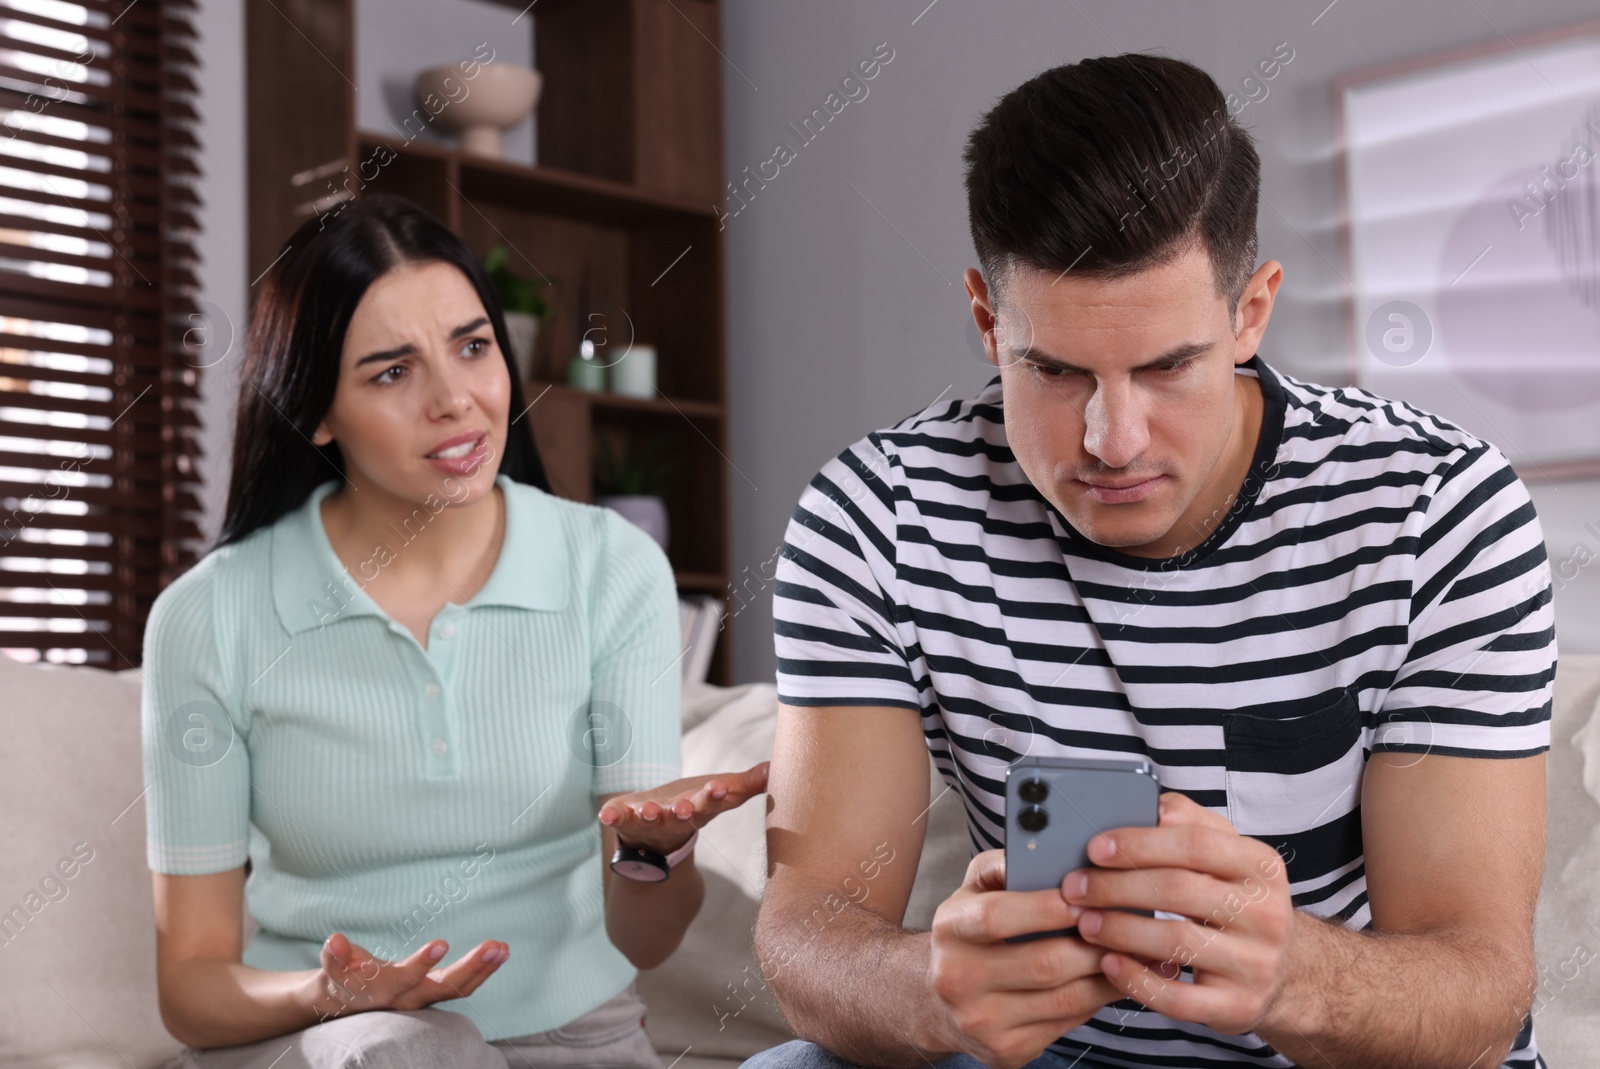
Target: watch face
(643,871)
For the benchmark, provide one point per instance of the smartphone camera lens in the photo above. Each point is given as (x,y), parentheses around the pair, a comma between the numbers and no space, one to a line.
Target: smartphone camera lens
(1033,791)
(1033,818)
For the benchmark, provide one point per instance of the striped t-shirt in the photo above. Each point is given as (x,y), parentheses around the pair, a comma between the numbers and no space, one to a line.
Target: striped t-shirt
(1379,584)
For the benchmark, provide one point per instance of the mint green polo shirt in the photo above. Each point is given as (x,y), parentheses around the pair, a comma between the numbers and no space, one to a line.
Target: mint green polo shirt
(401,794)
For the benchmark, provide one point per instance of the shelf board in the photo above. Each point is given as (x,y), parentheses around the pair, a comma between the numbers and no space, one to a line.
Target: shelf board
(545,188)
(621,403)
(701,582)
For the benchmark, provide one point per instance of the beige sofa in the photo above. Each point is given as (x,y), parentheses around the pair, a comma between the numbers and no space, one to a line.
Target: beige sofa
(78,984)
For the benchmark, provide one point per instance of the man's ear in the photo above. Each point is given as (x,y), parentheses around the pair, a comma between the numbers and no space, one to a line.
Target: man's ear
(982,311)
(1255,308)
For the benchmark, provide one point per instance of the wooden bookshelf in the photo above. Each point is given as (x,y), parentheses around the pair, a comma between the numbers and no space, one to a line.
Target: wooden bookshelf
(621,207)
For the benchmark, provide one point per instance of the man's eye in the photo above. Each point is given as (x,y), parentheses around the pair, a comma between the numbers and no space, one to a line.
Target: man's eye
(1047,372)
(1178,368)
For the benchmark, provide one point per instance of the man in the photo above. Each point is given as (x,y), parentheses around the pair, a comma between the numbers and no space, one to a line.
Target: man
(1322,616)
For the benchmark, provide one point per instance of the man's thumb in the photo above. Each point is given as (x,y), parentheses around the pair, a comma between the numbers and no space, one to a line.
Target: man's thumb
(987,871)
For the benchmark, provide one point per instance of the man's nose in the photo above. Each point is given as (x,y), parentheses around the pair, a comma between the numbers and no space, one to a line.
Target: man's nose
(1115,431)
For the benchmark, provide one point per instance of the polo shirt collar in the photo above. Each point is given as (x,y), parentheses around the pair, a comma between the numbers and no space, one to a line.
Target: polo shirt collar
(312,588)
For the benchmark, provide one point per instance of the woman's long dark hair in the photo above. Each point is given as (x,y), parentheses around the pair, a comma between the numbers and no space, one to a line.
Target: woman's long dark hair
(292,352)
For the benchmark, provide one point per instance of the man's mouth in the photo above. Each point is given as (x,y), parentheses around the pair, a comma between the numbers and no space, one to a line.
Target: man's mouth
(1119,484)
(1121,491)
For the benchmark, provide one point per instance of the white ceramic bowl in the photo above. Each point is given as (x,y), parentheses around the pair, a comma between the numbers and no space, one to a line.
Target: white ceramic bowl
(498,97)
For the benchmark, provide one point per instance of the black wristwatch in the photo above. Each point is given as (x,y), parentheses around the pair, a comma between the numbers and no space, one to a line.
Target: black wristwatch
(645,865)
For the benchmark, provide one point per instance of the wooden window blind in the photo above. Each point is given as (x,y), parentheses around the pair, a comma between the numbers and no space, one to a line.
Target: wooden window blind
(98,377)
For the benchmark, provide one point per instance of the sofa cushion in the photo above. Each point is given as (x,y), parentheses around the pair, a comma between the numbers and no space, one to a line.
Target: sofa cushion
(709,997)
(1566,936)
(90,936)
(79,989)
(79,983)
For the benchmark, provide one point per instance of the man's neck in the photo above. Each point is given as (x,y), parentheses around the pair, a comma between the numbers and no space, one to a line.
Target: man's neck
(1226,481)
(1228,477)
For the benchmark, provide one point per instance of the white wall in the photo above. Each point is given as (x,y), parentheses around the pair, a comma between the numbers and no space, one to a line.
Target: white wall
(846,307)
(222,243)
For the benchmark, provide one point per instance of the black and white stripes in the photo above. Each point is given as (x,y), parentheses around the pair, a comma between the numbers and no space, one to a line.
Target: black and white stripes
(1381,584)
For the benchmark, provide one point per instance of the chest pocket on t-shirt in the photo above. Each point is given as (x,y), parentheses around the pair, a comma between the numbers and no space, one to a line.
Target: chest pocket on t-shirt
(1295,783)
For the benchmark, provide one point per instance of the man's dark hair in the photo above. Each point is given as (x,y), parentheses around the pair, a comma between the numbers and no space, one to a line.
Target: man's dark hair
(1111,166)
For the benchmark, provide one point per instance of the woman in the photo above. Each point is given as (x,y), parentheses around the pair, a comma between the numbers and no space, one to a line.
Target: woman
(400,687)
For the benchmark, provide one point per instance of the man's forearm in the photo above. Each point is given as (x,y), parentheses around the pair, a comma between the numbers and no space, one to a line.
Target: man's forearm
(1398,1000)
(854,983)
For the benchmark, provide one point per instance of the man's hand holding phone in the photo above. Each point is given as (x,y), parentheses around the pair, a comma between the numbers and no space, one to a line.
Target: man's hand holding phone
(1096,853)
(1233,891)
(1006,1002)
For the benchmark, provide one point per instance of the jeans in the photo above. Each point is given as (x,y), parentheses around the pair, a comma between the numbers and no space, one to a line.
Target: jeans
(610,1036)
(801,1054)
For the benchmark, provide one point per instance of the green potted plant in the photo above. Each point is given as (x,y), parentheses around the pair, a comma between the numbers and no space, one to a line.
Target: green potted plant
(634,481)
(522,304)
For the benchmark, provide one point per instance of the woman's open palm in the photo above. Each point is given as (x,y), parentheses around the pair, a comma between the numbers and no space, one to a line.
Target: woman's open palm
(353,980)
(662,818)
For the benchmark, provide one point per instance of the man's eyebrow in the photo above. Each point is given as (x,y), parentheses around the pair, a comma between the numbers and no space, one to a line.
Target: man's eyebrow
(407,350)
(1177,354)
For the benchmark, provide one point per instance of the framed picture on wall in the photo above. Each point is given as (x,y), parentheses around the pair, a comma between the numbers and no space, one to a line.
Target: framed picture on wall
(1471,196)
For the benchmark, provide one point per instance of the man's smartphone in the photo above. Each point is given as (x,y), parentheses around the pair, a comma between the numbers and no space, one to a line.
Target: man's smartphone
(1055,805)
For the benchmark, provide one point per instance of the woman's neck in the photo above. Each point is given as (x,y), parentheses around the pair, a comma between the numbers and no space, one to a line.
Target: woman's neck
(400,544)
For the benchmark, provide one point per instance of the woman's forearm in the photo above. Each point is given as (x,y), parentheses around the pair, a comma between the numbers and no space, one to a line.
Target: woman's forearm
(646,921)
(212,1002)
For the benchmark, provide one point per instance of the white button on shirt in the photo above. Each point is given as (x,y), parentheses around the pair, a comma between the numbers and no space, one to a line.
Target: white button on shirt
(431,690)
(440,746)
(447,631)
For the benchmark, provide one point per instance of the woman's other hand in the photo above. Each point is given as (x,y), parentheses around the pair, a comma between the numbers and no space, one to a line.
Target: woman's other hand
(351,980)
(662,818)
